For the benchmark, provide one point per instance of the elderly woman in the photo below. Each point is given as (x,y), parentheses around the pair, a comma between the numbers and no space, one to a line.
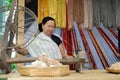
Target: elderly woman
(46,42)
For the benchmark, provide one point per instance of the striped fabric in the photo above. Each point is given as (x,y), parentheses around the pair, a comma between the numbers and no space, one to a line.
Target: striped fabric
(43,44)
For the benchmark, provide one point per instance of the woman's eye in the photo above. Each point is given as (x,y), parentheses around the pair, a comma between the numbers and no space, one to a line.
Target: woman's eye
(48,26)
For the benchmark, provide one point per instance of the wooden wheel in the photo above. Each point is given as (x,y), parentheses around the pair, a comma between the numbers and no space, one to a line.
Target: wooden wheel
(13,26)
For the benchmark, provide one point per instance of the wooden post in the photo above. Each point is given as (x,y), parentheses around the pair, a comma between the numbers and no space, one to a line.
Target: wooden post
(20,24)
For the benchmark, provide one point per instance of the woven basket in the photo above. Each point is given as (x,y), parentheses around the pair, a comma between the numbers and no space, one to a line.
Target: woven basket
(45,72)
(117,71)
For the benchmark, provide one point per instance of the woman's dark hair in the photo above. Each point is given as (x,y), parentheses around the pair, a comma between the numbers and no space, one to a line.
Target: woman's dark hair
(45,19)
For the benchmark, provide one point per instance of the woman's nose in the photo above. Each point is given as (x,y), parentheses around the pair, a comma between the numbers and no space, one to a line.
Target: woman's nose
(51,28)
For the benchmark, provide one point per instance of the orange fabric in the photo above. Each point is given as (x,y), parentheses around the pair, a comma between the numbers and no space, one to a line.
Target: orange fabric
(75,12)
(70,14)
(57,9)
(61,13)
(42,9)
(78,11)
(53,8)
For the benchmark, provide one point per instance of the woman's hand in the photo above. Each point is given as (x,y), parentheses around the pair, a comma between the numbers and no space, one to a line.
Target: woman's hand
(68,57)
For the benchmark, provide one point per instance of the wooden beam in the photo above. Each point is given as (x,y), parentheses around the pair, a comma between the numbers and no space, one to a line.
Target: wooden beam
(31,59)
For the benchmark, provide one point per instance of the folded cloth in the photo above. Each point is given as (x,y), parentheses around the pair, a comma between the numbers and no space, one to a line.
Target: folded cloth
(44,44)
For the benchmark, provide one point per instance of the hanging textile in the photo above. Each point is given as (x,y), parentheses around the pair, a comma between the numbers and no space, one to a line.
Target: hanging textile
(66,34)
(119,40)
(53,9)
(78,36)
(67,41)
(70,14)
(74,41)
(57,9)
(61,13)
(88,14)
(42,9)
(96,12)
(107,12)
(78,11)
(75,12)
(117,7)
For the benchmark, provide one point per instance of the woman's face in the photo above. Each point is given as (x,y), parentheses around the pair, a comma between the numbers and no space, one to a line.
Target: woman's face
(48,27)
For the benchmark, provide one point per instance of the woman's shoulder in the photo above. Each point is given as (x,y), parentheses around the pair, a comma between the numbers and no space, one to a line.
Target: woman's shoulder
(56,36)
(56,39)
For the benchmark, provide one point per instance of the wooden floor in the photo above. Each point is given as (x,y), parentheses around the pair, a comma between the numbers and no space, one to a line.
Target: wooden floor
(83,75)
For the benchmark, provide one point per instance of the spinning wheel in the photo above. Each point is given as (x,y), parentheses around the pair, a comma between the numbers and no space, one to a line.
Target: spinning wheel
(14,27)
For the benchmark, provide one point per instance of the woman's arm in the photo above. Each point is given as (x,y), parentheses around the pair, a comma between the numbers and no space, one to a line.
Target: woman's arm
(62,50)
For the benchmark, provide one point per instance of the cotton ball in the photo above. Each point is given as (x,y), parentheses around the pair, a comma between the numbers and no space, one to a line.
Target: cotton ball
(53,62)
(43,57)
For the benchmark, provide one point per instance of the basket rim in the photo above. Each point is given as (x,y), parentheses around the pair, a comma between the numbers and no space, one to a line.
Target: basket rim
(44,67)
(45,71)
(113,70)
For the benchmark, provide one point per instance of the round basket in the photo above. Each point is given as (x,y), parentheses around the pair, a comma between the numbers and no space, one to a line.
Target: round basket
(117,71)
(45,72)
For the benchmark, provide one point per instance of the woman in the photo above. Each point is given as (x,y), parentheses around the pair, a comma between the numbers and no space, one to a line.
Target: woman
(46,42)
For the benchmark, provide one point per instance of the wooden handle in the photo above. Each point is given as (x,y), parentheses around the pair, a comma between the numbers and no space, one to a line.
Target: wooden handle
(30,59)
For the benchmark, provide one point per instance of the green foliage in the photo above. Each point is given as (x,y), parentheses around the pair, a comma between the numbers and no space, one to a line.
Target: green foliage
(3,79)
(8,4)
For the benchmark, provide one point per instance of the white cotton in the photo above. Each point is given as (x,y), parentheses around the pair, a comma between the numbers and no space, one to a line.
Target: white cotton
(52,65)
(39,63)
(115,65)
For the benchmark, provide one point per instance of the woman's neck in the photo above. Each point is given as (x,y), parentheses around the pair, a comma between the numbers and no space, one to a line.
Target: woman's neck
(47,35)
